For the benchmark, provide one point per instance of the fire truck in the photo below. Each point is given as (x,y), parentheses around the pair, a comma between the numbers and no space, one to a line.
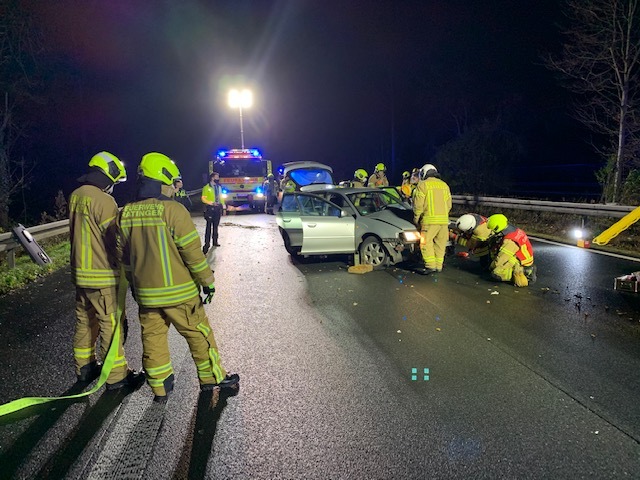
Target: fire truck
(242,174)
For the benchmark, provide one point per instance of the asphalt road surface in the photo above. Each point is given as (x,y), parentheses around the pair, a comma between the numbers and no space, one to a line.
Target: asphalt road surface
(387,375)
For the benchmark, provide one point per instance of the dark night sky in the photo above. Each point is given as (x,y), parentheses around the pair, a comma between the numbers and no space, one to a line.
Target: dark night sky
(335,81)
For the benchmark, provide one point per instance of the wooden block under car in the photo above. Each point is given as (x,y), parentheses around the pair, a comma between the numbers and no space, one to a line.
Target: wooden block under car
(627,283)
(364,268)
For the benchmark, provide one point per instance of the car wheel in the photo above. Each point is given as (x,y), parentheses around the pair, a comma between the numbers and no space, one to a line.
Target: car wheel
(373,253)
(293,251)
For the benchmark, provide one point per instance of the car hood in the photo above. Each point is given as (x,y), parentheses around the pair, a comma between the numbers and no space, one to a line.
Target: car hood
(395,217)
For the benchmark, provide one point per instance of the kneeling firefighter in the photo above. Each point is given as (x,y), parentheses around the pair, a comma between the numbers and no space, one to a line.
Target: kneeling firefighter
(514,260)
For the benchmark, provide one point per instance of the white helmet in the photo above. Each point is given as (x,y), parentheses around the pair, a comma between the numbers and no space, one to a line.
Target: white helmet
(426,168)
(466,223)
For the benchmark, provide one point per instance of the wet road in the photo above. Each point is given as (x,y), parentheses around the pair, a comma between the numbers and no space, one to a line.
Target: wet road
(514,383)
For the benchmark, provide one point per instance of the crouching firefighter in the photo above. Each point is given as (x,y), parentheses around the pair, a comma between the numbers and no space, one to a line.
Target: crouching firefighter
(159,248)
(471,231)
(514,259)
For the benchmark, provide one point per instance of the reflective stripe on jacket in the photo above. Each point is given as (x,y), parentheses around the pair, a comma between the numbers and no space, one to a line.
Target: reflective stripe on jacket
(91,223)
(431,202)
(160,250)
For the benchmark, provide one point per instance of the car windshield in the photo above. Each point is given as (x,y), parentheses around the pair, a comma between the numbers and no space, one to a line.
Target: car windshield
(231,168)
(308,176)
(371,202)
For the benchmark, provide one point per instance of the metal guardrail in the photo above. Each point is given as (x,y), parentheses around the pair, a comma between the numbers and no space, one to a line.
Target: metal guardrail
(9,244)
(40,232)
(586,209)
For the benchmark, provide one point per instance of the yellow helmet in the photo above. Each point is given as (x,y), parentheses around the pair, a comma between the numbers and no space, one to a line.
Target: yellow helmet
(361,174)
(380,168)
(497,222)
(159,167)
(110,165)
(406,174)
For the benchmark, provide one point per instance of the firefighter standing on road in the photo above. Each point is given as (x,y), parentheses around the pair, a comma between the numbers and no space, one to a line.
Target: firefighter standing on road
(379,177)
(431,206)
(214,209)
(160,249)
(95,272)
(271,189)
(514,260)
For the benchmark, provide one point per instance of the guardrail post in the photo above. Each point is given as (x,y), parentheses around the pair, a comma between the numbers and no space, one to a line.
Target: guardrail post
(11,258)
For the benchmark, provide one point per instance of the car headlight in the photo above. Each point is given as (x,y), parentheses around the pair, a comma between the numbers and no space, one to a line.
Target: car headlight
(259,195)
(412,236)
(224,195)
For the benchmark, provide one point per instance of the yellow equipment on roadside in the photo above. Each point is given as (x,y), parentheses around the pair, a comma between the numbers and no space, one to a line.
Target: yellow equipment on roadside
(618,227)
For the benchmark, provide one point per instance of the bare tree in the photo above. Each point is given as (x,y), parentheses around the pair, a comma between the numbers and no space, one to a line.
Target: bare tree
(600,63)
(18,45)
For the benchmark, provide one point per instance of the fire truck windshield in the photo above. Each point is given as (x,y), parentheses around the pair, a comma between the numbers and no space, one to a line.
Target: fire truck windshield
(240,168)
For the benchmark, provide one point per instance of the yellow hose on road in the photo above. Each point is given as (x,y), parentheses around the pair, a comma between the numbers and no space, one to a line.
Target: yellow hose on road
(25,402)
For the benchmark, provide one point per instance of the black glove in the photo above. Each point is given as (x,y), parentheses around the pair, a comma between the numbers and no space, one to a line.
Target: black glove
(208,292)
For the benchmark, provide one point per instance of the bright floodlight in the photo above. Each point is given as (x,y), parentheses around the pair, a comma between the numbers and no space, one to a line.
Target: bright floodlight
(240,99)
(578,233)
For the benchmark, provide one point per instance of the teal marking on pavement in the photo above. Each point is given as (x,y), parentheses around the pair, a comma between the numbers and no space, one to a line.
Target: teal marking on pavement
(425,374)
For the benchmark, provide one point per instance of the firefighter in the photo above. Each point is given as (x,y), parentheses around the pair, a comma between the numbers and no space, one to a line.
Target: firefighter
(287,185)
(514,259)
(379,177)
(160,249)
(472,232)
(214,208)
(95,272)
(405,187)
(271,193)
(432,203)
(360,177)
(181,194)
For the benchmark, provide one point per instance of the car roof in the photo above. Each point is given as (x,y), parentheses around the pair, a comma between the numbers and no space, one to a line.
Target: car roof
(287,167)
(338,188)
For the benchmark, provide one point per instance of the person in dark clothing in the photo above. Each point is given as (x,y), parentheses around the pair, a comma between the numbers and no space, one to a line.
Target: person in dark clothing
(271,193)
(181,194)
(215,207)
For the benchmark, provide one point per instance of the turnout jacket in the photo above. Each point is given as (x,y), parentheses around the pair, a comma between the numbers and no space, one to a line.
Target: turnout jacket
(92,215)
(431,202)
(159,248)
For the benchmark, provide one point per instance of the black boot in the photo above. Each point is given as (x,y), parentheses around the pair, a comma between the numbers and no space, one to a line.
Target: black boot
(90,372)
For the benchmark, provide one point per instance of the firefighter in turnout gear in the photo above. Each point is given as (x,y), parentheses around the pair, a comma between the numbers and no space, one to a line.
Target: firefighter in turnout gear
(405,188)
(359,178)
(159,248)
(514,260)
(95,272)
(431,206)
(473,233)
(379,177)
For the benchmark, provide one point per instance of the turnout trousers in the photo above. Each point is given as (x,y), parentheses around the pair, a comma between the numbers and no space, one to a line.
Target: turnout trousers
(433,243)
(96,316)
(190,321)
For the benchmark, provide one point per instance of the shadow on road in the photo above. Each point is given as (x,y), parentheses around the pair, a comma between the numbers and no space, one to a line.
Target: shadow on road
(199,444)
(49,413)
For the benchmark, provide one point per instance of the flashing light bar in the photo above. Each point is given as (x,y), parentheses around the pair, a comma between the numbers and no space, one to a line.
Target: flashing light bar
(239,153)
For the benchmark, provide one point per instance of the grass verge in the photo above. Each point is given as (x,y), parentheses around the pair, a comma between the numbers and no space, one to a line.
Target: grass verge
(26,271)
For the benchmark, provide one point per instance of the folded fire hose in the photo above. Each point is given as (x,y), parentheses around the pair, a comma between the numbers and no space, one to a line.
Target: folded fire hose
(107,365)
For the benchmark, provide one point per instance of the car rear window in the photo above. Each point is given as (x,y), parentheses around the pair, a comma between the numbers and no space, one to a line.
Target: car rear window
(308,176)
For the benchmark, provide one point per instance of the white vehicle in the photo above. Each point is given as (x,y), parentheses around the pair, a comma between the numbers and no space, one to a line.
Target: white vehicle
(328,219)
